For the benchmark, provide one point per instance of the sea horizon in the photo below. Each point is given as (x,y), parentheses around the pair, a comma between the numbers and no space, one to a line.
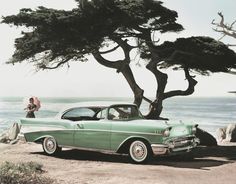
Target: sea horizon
(209,112)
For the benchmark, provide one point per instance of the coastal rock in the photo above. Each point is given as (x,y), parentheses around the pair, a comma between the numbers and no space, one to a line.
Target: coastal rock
(206,139)
(4,137)
(13,131)
(11,134)
(226,134)
(231,133)
(221,134)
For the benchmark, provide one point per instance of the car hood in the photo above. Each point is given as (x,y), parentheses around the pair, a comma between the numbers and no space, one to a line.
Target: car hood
(161,123)
(177,128)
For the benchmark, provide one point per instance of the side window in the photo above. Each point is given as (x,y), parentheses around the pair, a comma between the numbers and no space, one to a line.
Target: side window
(77,113)
(113,114)
(125,112)
(102,114)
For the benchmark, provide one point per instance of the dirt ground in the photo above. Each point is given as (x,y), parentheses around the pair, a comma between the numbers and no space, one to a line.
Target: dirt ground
(210,165)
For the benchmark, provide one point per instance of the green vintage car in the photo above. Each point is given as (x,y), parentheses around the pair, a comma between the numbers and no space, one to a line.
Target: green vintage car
(110,126)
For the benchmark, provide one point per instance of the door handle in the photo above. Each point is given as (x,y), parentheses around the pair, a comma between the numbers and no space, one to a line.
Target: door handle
(81,126)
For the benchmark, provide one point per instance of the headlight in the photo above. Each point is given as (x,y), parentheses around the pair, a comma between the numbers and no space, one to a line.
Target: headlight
(194,129)
(166,132)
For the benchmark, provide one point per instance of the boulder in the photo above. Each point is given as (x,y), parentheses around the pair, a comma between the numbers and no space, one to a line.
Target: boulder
(206,139)
(230,130)
(11,134)
(13,131)
(221,134)
(226,134)
(233,136)
(4,137)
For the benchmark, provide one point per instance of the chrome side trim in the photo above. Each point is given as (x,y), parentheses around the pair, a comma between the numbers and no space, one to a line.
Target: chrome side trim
(95,130)
(140,133)
(88,149)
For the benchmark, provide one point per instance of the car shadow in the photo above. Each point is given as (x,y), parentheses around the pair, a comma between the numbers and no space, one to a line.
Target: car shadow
(84,155)
(199,158)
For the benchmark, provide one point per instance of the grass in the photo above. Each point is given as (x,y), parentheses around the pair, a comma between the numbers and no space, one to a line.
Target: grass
(23,173)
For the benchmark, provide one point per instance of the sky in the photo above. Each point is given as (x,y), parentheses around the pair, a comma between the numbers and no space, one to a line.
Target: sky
(93,80)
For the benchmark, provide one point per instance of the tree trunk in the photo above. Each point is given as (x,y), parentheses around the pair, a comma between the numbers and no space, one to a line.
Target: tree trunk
(190,89)
(137,91)
(123,67)
(161,79)
(157,105)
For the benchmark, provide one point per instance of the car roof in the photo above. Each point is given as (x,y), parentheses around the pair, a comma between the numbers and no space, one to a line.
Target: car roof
(101,104)
(98,104)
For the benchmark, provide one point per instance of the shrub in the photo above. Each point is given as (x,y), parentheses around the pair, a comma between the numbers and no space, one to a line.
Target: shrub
(22,173)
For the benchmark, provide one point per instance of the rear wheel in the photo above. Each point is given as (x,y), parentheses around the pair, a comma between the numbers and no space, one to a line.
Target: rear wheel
(50,146)
(139,152)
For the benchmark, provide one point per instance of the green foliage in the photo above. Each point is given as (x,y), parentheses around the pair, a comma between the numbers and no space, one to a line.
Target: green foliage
(57,36)
(202,54)
(22,173)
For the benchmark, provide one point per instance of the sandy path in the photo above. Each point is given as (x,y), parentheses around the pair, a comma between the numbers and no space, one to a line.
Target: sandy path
(211,165)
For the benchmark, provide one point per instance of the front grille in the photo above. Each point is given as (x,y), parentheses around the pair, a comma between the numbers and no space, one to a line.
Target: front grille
(181,142)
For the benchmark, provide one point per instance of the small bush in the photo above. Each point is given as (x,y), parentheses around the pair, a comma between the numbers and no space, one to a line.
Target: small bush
(22,173)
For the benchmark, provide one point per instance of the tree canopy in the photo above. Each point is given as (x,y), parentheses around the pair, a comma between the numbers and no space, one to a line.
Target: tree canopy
(64,35)
(56,37)
(202,54)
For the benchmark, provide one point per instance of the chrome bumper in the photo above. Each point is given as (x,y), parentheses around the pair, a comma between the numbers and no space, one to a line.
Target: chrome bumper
(175,145)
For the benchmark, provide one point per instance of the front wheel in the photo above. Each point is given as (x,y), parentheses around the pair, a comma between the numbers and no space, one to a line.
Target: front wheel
(50,146)
(139,152)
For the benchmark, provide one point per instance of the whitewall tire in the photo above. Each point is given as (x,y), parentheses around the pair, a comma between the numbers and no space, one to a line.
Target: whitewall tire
(50,146)
(139,152)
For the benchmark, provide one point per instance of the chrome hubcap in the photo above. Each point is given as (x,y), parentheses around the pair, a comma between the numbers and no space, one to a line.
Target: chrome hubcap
(50,145)
(138,151)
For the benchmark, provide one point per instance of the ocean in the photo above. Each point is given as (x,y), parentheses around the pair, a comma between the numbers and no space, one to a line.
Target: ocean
(209,113)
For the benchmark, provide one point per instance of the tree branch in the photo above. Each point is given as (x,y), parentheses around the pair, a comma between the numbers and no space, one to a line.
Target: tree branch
(147,100)
(119,64)
(123,67)
(101,60)
(224,28)
(231,26)
(191,84)
(43,66)
(231,45)
(108,51)
(161,78)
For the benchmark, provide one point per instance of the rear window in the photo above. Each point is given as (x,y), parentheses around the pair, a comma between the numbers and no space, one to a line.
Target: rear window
(82,113)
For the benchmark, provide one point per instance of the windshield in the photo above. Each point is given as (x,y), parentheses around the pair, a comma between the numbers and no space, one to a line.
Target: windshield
(124,112)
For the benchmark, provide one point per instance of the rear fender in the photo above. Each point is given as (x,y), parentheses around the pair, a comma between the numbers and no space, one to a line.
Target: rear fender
(40,139)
